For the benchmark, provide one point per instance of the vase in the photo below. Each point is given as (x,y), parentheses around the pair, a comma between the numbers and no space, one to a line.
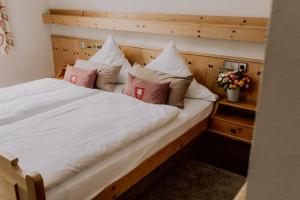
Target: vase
(233,95)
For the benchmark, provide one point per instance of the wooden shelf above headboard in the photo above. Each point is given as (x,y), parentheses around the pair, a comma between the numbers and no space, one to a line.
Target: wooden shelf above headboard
(229,28)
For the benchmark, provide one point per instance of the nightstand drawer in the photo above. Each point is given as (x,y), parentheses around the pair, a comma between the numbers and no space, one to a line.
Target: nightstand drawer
(231,129)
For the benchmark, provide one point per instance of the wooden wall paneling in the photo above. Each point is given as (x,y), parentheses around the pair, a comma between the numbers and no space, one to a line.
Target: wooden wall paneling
(198,67)
(135,55)
(63,54)
(59,54)
(255,73)
(229,28)
(214,65)
(140,55)
(56,55)
(205,67)
(90,48)
(69,47)
(87,53)
(74,51)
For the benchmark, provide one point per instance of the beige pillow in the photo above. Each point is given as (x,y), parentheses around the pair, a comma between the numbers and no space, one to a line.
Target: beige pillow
(107,75)
(178,86)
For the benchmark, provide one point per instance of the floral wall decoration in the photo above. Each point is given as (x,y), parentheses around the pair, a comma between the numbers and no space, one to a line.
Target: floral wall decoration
(6,42)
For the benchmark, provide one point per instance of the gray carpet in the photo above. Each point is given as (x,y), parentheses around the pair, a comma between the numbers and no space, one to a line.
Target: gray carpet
(194,180)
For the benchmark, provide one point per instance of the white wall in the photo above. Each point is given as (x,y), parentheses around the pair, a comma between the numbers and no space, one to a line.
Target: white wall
(32,56)
(254,8)
(275,159)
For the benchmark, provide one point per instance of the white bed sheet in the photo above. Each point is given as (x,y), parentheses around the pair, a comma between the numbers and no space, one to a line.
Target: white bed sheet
(28,99)
(73,137)
(91,181)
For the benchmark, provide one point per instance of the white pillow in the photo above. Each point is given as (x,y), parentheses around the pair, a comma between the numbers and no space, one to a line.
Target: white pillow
(171,62)
(111,54)
(198,91)
(83,64)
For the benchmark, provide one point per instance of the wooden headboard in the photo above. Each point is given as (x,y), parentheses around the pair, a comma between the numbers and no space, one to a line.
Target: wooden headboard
(205,67)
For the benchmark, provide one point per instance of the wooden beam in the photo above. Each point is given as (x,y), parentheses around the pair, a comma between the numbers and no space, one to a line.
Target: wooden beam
(229,28)
(204,19)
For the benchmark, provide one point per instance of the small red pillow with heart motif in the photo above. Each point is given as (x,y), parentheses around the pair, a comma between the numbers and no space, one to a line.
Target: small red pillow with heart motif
(82,77)
(147,91)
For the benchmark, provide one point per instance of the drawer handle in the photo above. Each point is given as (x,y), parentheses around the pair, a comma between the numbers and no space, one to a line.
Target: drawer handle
(232,130)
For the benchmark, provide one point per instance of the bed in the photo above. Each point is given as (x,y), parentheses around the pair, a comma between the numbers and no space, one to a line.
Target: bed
(137,146)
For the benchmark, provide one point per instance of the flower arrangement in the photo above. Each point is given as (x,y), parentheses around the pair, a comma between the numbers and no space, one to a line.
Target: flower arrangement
(233,80)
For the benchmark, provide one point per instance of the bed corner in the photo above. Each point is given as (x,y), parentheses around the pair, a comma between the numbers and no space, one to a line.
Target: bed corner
(15,185)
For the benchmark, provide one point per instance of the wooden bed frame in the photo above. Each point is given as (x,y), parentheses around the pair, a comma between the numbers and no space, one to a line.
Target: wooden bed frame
(17,185)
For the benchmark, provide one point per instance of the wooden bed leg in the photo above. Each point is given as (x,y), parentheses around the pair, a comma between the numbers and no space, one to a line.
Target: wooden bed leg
(15,185)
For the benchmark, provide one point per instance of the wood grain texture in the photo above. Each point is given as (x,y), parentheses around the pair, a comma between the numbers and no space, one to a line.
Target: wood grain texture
(250,106)
(16,185)
(233,120)
(231,130)
(205,67)
(254,21)
(228,28)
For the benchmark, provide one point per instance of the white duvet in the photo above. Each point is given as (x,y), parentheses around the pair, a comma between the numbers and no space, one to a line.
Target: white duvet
(61,142)
(28,99)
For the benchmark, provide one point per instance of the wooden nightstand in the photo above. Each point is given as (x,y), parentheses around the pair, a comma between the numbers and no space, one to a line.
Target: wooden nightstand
(233,120)
(61,73)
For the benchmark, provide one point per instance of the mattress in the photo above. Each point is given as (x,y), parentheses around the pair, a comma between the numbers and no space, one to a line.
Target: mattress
(91,181)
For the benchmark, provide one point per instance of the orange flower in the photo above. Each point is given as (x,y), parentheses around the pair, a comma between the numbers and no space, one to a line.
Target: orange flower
(241,83)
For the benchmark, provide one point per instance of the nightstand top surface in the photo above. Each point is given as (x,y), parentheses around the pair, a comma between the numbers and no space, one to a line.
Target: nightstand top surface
(246,105)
